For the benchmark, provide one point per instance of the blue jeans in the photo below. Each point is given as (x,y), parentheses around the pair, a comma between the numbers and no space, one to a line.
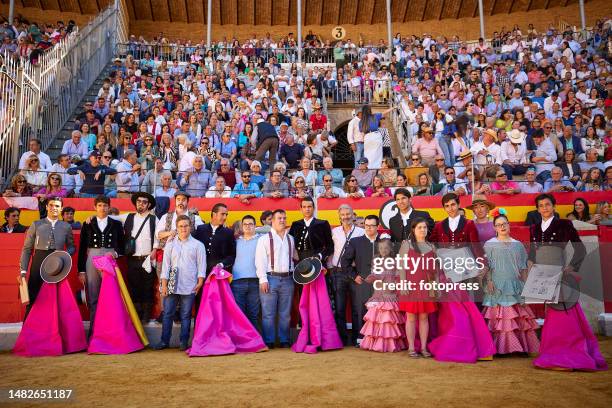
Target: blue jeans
(447,149)
(277,300)
(543,176)
(358,153)
(88,195)
(170,303)
(246,294)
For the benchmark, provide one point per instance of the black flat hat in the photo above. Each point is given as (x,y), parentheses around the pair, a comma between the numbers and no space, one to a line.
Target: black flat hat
(55,266)
(307,270)
(148,196)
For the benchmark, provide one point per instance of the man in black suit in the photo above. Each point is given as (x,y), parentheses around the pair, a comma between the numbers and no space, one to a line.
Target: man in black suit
(357,263)
(534,218)
(219,242)
(12,225)
(312,236)
(98,237)
(401,222)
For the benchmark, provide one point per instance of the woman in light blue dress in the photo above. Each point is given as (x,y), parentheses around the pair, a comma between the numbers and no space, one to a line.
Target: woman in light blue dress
(512,323)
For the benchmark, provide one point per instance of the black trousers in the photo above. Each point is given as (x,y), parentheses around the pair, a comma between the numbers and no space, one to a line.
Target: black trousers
(341,288)
(359,296)
(35,281)
(140,282)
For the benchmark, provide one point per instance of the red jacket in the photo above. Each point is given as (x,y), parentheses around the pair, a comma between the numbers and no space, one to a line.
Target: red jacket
(466,233)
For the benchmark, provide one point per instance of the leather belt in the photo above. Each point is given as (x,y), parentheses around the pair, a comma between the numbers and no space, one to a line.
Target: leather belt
(279,274)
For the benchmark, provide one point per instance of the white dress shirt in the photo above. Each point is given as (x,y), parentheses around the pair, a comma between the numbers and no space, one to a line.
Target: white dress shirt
(127,181)
(143,243)
(102,223)
(282,262)
(43,160)
(339,237)
(161,226)
(453,222)
(406,216)
(546,224)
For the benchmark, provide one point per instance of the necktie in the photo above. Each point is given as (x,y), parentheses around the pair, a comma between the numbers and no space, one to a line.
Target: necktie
(52,238)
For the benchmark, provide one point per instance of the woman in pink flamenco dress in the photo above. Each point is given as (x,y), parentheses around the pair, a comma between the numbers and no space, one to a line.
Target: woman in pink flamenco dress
(221,327)
(463,335)
(118,329)
(511,322)
(418,303)
(567,342)
(383,330)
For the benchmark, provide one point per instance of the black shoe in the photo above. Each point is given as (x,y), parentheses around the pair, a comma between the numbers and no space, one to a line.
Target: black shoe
(284,345)
(270,345)
(159,346)
(183,347)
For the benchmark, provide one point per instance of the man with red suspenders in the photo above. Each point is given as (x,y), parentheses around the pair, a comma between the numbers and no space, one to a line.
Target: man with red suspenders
(274,262)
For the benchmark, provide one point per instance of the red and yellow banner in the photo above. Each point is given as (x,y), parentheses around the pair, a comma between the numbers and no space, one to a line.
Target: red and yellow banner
(517,206)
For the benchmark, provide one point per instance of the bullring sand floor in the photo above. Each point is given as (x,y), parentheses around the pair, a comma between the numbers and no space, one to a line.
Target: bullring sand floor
(349,377)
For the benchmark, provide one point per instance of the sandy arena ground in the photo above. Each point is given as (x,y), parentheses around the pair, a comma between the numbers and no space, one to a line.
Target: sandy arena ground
(279,378)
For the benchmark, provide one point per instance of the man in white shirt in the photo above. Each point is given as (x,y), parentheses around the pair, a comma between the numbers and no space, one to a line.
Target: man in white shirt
(128,171)
(141,227)
(355,137)
(544,156)
(487,151)
(43,158)
(341,282)
(274,262)
(219,190)
(514,154)
(328,190)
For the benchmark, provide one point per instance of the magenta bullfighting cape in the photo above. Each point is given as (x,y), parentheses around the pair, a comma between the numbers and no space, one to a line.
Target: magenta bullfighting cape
(117,329)
(221,327)
(318,325)
(54,325)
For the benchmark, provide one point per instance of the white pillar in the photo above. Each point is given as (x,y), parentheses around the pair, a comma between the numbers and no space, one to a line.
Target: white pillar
(389,34)
(481,14)
(299,33)
(11,11)
(209,24)
(582,15)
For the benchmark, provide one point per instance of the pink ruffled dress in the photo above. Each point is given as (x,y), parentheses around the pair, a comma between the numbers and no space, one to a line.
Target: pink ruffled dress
(384,328)
(512,324)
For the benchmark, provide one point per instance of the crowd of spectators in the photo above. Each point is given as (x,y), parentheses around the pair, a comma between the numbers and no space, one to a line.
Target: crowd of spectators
(522,113)
(29,40)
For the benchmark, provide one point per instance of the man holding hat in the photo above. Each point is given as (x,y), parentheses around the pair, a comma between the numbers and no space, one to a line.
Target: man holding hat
(45,237)
(487,151)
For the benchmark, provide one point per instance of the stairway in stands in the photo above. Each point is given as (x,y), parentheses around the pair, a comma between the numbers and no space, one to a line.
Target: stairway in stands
(55,149)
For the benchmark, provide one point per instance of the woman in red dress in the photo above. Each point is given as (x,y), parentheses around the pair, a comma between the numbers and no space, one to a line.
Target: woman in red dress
(418,302)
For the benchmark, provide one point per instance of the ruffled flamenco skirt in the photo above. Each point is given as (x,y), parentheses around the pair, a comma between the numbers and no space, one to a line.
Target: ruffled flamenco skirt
(117,329)
(568,343)
(513,328)
(463,335)
(384,327)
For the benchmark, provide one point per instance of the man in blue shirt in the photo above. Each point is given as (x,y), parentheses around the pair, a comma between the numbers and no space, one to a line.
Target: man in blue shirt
(246,189)
(245,285)
(182,276)
(93,175)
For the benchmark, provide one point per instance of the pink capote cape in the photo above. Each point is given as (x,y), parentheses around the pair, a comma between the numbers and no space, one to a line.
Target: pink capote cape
(463,335)
(568,342)
(54,325)
(221,327)
(114,329)
(318,325)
